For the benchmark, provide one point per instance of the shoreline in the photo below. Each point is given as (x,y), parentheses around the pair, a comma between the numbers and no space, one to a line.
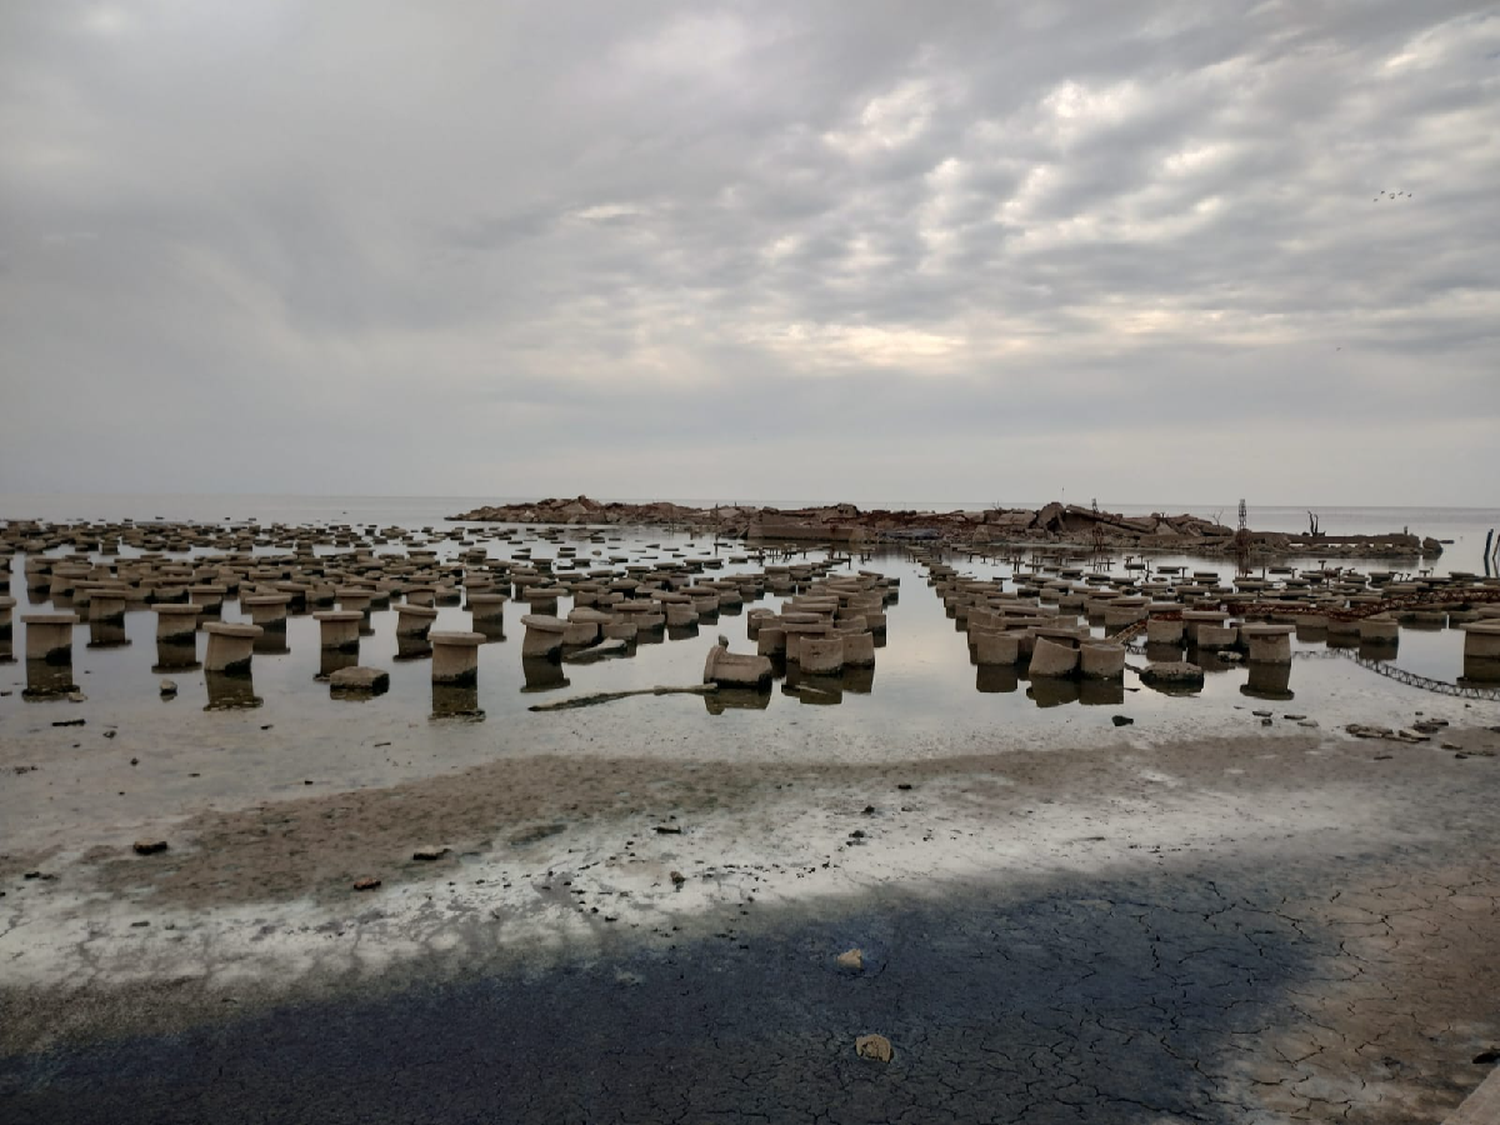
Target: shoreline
(1053,526)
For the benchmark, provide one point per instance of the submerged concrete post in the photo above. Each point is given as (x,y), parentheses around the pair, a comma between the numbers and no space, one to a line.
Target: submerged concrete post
(1099,661)
(230,647)
(339,629)
(544,635)
(176,622)
(455,657)
(487,606)
(107,605)
(267,610)
(49,637)
(414,619)
(1268,644)
(1052,658)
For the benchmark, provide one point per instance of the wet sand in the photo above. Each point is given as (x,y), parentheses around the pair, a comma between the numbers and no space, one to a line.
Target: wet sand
(1278,926)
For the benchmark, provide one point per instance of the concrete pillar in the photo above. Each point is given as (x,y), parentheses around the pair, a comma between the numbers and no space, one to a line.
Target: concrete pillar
(1051,658)
(1481,640)
(352,598)
(822,656)
(1097,661)
(7,607)
(176,621)
(1212,638)
(49,637)
(859,650)
(210,599)
(1377,631)
(1268,644)
(544,636)
(1159,632)
(414,619)
(991,650)
(230,648)
(107,606)
(340,629)
(267,610)
(487,607)
(455,657)
(770,640)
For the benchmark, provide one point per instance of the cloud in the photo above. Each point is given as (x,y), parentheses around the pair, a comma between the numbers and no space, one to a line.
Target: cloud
(511,248)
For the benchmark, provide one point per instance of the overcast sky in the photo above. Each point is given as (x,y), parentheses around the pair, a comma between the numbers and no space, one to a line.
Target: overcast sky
(868,251)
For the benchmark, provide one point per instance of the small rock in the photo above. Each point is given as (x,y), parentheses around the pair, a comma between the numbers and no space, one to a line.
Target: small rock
(1261,714)
(678,878)
(869,810)
(368,884)
(1122,720)
(1311,724)
(149,847)
(135,761)
(168,687)
(1266,721)
(668,830)
(430,853)
(69,722)
(110,733)
(1294,718)
(1450,746)
(852,959)
(904,785)
(876,1047)
(77,697)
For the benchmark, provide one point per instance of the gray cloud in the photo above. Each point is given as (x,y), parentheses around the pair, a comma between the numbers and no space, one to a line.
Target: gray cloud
(874,252)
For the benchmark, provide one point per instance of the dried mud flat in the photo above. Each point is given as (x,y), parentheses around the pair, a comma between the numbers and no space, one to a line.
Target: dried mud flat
(1284,926)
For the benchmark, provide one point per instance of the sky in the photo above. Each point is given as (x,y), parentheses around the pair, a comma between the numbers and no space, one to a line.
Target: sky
(1179,251)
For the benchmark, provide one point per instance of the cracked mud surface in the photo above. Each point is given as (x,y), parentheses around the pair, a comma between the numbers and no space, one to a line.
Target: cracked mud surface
(1262,929)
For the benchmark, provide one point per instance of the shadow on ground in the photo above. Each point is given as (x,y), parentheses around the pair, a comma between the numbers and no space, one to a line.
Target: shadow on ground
(1086,1001)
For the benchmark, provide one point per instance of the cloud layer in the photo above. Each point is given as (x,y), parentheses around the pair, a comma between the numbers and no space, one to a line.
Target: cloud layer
(1174,251)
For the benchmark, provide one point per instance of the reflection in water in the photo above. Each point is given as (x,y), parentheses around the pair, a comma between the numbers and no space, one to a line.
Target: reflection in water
(105,633)
(491,629)
(542,674)
(272,641)
(993,679)
(176,656)
(1209,660)
(1163,653)
(1101,693)
(45,680)
(859,681)
(820,691)
(1053,691)
(230,692)
(331,660)
(1481,671)
(681,632)
(412,648)
(1269,681)
(736,699)
(456,701)
(1377,651)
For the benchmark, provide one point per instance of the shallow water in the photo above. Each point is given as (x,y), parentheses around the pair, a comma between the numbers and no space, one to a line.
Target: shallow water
(923,690)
